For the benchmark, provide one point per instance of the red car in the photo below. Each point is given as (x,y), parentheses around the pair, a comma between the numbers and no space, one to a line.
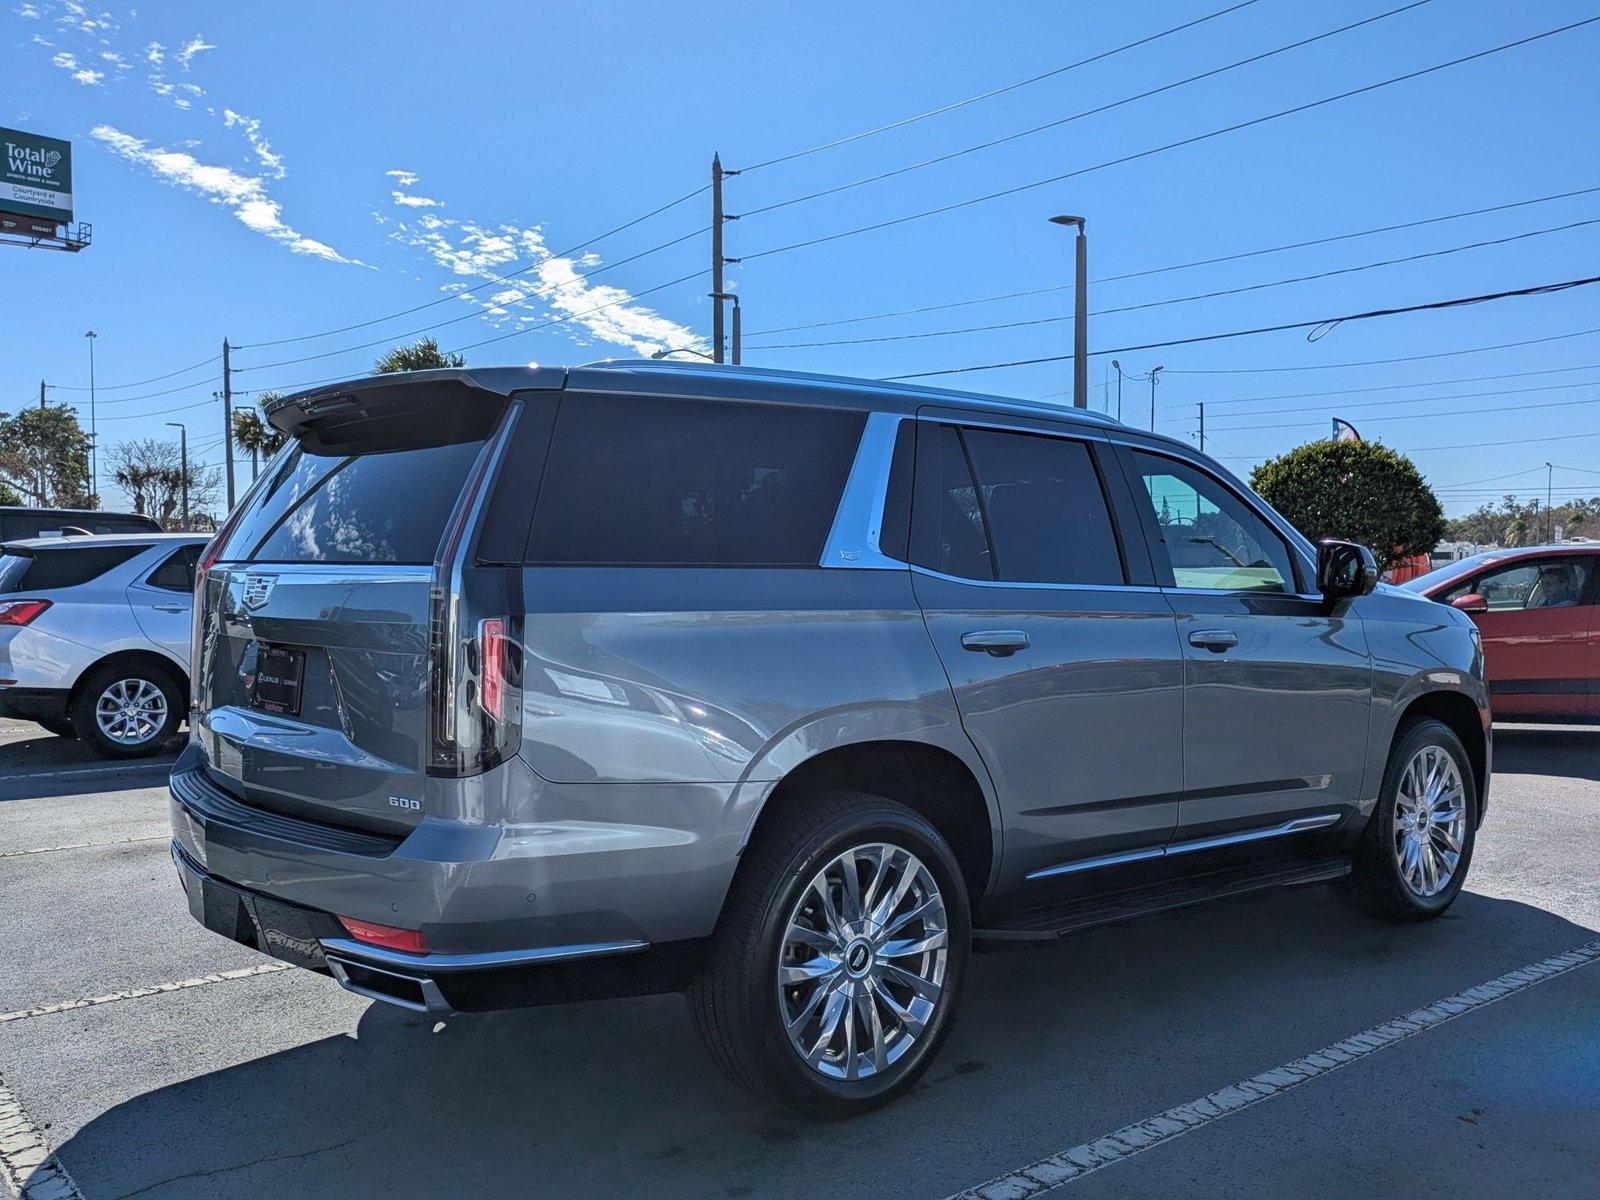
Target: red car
(1538,609)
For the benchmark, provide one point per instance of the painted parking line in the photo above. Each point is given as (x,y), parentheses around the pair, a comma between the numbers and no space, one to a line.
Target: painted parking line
(1058,1169)
(86,772)
(162,837)
(44,1010)
(26,1164)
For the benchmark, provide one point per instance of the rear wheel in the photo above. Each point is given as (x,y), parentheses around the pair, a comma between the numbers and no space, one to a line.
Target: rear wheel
(836,967)
(1414,855)
(127,711)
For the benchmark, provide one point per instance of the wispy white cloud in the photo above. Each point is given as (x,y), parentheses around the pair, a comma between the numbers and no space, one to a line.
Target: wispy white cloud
(549,287)
(28,12)
(251,127)
(155,54)
(189,49)
(87,76)
(245,195)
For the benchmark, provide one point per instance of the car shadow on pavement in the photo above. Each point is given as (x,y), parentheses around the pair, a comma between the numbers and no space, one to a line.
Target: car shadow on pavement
(1568,750)
(38,765)
(1054,1045)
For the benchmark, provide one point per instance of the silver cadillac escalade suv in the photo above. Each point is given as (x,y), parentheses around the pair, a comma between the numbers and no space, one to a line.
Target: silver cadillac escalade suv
(524,685)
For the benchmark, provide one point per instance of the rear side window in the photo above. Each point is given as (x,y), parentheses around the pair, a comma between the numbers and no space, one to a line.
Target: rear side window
(651,481)
(47,570)
(386,507)
(948,533)
(176,574)
(1047,514)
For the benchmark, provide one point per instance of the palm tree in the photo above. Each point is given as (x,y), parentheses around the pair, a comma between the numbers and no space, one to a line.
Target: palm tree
(422,355)
(251,432)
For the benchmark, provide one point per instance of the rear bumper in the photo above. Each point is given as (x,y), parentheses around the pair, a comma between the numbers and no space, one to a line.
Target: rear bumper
(514,915)
(30,704)
(437,984)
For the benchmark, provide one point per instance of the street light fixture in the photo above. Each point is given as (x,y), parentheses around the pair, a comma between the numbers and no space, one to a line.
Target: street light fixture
(1154,371)
(183,460)
(1080,314)
(662,354)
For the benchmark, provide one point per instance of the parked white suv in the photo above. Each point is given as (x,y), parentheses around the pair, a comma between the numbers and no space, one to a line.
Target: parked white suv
(94,636)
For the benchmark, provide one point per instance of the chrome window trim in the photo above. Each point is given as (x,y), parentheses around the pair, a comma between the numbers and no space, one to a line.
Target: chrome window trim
(853,539)
(1298,825)
(1013,583)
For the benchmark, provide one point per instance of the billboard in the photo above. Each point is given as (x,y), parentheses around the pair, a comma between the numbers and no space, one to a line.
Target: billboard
(35,176)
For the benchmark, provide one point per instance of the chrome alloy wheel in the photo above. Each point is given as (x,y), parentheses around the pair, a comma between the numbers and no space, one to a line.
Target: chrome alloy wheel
(862,965)
(131,711)
(1430,821)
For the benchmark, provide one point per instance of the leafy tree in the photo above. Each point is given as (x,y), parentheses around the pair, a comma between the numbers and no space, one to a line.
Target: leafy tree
(8,494)
(150,470)
(252,433)
(50,441)
(1360,491)
(1513,522)
(422,355)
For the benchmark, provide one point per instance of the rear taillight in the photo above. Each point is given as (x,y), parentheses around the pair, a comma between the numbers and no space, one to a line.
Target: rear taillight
(409,941)
(493,650)
(22,612)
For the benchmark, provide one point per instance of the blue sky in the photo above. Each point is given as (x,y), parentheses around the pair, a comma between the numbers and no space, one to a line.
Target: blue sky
(267,173)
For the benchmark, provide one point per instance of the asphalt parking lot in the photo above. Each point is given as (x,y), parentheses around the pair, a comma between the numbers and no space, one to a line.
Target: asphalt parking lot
(168,1062)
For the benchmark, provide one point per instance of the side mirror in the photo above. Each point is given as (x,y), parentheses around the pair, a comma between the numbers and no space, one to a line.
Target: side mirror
(1345,569)
(1470,603)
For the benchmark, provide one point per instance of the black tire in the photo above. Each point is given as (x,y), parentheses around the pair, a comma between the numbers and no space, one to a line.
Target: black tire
(60,726)
(735,1001)
(1377,884)
(88,693)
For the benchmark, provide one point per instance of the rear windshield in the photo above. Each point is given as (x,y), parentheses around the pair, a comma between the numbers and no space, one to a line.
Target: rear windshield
(48,570)
(48,523)
(651,481)
(388,507)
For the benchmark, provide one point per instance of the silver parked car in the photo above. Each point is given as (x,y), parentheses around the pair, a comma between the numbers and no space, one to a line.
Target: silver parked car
(525,685)
(94,636)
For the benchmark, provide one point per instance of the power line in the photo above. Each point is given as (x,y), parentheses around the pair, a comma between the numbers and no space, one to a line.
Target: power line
(578,277)
(1459,302)
(112,387)
(571,250)
(1089,112)
(1188,141)
(1380,362)
(1428,416)
(1394,387)
(1126,308)
(1203,262)
(989,95)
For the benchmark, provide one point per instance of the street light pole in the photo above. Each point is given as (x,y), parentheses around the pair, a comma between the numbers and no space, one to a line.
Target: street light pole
(1118,366)
(183,458)
(1080,314)
(1154,371)
(1549,517)
(94,427)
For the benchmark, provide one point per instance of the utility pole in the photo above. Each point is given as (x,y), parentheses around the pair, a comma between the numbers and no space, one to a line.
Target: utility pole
(1549,515)
(1154,371)
(738,321)
(1080,314)
(718,217)
(227,418)
(94,427)
(41,449)
(1118,366)
(1202,426)
(183,453)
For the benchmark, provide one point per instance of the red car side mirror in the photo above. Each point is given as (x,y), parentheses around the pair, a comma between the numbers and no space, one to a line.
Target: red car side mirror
(1470,603)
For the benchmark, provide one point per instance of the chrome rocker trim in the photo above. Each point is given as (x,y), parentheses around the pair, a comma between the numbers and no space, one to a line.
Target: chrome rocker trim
(1298,825)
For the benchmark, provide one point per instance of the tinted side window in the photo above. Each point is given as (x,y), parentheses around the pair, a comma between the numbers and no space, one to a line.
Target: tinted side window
(652,481)
(176,574)
(1047,513)
(1212,538)
(948,532)
(50,569)
(1543,583)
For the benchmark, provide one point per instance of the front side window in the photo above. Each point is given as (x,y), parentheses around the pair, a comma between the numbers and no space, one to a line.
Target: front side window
(1213,540)
(1539,584)
(659,481)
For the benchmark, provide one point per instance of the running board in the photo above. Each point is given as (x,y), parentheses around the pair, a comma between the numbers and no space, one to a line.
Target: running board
(1045,924)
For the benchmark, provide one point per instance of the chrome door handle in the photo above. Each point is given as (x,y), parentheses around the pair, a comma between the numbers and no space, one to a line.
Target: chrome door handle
(172,608)
(1216,640)
(998,642)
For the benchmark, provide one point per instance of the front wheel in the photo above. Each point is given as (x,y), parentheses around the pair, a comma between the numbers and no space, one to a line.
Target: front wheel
(1413,857)
(835,970)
